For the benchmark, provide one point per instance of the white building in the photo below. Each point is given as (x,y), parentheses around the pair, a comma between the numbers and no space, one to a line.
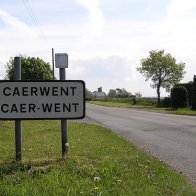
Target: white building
(98,94)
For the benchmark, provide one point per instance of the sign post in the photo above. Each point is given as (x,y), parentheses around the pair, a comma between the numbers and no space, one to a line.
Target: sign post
(18,132)
(63,121)
(31,100)
(61,62)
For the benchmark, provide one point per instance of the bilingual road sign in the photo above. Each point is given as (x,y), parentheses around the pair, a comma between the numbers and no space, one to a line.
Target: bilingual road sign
(42,99)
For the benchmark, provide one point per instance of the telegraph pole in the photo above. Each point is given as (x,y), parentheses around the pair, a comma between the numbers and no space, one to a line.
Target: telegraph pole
(53,62)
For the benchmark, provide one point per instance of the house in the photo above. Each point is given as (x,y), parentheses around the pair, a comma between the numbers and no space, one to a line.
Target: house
(98,94)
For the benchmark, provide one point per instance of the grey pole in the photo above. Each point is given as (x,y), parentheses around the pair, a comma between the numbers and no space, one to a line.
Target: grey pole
(18,132)
(53,62)
(64,139)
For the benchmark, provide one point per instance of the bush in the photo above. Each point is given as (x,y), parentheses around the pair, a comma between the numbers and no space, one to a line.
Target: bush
(194,94)
(179,97)
(134,101)
(166,102)
(147,101)
(88,98)
(189,88)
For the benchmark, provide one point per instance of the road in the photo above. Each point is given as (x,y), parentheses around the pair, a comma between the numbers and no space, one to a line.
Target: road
(170,138)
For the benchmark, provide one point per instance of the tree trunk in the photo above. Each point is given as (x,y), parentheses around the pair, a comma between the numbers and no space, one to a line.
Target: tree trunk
(158,95)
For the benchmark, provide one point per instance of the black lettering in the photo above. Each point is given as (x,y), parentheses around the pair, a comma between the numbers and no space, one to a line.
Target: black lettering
(75,104)
(16,92)
(68,108)
(3,108)
(32,107)
(47,107)
(64,91)
(57,107)
(54,91)
(14,108)
(4,91)
(25,91)
(34,91)
(44,91)
(73,90)
(23,108)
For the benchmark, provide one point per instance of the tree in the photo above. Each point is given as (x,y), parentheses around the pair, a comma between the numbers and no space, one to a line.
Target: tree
(31,69)
(88,93)
(112,93)
(138,95)
(162,69)
(122,93)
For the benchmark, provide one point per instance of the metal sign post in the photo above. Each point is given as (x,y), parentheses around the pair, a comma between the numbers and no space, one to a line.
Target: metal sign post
(18,132)
(64,138)
(25,100)
(61,60)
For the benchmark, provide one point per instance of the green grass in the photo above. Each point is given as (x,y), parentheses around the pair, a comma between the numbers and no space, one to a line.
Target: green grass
(111,104)
(98,163)
(180,111)
(183,111)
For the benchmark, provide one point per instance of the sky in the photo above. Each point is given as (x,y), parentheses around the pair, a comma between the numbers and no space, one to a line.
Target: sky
(105,39)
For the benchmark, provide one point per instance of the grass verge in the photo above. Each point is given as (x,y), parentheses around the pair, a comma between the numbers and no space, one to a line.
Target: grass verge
(180,111)
(111,104)
(98,163)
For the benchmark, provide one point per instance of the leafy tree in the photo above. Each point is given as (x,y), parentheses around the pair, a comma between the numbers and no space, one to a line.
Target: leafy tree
(162,69)
(87,93)
(122,93)
(31,69)
(112,93)
(138,95)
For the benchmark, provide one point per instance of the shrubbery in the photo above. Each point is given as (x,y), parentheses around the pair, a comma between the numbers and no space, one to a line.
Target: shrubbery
(166,102)
(88,98)
(189,88)
(134,101)
(194,94)
(179,97)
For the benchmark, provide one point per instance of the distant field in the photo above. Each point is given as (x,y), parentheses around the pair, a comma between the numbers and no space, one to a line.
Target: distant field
(98,163)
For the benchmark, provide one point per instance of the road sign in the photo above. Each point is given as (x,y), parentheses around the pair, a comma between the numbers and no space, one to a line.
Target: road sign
(42,99)
(61,60)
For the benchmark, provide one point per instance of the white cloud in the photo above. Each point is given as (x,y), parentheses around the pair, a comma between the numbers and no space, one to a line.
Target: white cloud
(16,23)
(106,55)
(108,72)
(96,19)
(148,9)
(178,9)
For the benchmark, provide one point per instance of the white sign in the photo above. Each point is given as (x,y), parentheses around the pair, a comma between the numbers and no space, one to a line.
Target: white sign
(42,99)
(61,60)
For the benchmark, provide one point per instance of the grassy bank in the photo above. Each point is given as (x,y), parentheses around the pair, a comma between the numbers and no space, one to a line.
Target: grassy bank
(98,163)
(180,111)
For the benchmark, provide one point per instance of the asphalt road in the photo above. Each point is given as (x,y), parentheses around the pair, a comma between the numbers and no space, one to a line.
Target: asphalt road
(170,138)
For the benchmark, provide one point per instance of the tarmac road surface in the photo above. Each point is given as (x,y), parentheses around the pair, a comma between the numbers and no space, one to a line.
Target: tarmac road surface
(170,138)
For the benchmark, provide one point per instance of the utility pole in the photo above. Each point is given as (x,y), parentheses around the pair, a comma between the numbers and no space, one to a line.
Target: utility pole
(53,62)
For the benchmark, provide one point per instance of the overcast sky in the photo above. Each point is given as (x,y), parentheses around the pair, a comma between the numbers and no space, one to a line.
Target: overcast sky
(105,39)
